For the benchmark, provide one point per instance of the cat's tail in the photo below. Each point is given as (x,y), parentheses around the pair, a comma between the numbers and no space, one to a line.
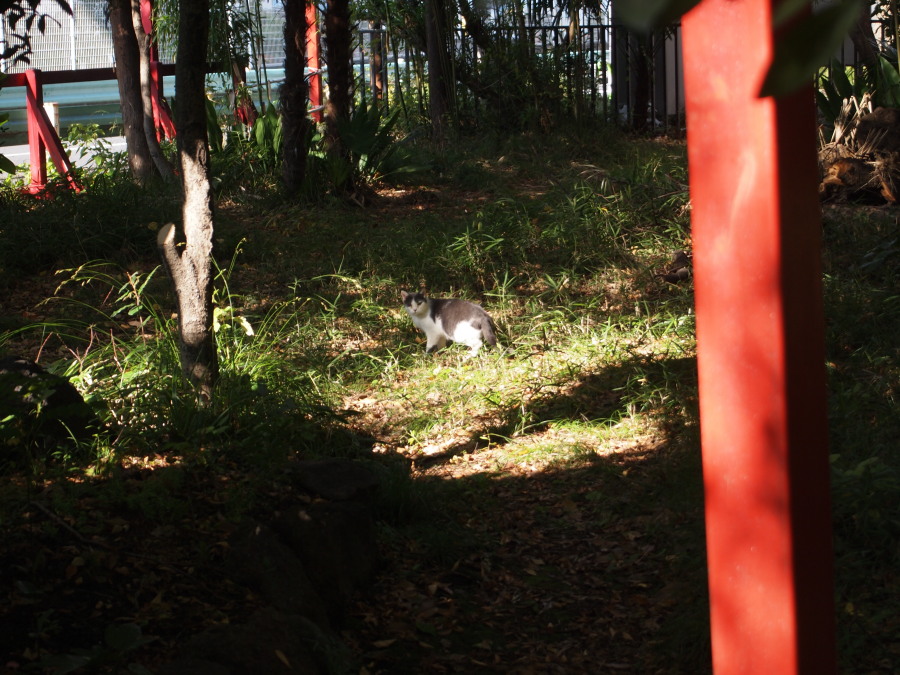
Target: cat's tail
(487,332)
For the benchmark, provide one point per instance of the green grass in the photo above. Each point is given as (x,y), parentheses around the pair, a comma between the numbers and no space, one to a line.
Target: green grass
(588,406)
(863,317)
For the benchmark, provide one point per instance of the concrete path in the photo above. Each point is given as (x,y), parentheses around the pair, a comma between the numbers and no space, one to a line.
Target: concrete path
(19,154)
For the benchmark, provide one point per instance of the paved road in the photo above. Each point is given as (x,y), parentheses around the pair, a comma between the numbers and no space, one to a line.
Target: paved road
(19,154)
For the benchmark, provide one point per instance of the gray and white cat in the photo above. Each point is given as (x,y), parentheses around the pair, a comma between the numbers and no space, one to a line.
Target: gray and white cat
(449,319)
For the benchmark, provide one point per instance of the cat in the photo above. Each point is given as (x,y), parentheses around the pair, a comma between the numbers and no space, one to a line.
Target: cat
(449,319)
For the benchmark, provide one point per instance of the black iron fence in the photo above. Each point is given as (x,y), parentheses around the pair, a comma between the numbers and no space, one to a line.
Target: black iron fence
(599,69)
(595,69)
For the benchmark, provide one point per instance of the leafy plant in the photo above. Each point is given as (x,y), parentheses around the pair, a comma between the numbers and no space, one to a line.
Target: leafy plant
(267,133)
(474,252)
(92,141)
(886,84)
(838,84)
(246,158)
(375,152)
(213,128)
(834,87)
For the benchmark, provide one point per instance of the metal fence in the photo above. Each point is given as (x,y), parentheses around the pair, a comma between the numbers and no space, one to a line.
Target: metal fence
(602,69)
(598,76)
(599,69)
(620,75)
(82,40)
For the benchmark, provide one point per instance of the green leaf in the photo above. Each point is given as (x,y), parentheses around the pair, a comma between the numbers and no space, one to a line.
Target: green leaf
(427,628)
(213,131)
(7,165)
(830,102)
(826,107)
(840,80)
(888,87)
(646,15)
(807,45)
(259,131)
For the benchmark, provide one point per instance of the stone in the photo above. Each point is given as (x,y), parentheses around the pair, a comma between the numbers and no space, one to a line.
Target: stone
(258,559)
(336,479)
(40,410)
(336,543)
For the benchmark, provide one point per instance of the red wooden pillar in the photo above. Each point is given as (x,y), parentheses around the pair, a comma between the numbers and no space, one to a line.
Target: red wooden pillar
(757,239)
(34,102)
(313,61)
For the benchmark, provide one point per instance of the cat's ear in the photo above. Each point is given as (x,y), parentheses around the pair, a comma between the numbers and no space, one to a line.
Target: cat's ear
(403,295)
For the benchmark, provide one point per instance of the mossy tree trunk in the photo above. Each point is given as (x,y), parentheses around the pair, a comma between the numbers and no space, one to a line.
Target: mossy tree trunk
(188,258)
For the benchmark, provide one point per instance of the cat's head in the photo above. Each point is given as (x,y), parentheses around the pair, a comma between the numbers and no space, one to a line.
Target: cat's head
(415,303)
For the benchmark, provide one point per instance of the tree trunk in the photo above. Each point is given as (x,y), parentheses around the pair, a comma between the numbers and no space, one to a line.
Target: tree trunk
(376,60)
(190,266)
(863,37)
(337,57)
(294,120)
(642,57)
(128,76)
(436,49)
(143,44)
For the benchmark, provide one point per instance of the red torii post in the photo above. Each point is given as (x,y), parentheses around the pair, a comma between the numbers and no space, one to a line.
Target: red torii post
(42,137)
(756,230)
(313,62)
(162,117)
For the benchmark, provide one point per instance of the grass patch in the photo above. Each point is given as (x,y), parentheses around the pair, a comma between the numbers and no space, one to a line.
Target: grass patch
(542,501)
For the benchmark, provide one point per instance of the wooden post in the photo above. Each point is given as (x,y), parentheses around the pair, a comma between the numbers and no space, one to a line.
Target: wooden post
(313,61)
(757,242)
(42,137)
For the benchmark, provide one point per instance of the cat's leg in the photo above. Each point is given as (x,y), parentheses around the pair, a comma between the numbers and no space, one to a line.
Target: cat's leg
(435,343)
